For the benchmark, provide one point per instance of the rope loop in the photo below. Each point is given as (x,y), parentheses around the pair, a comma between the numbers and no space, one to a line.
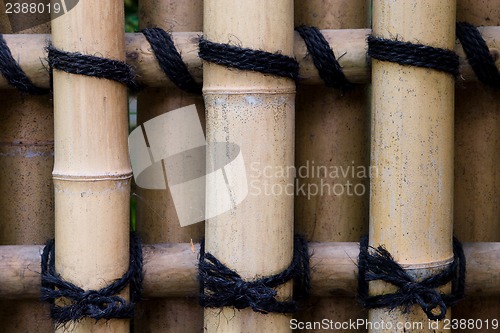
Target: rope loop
(220,286)
(380,265)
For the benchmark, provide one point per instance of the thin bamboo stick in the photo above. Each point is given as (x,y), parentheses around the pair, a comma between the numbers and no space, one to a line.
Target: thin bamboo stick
(348,44)
(171,270)
(256,112)
(156,215)
(91,170)
(477,172)
(26,192)
(412,133)
(332,131)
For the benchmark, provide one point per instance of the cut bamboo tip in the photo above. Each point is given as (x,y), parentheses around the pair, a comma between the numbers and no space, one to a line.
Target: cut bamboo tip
(170,270)
(349,46)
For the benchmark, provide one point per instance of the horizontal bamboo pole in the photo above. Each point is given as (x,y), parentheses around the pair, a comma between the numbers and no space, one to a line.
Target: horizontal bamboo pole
(349,46)
(170,269)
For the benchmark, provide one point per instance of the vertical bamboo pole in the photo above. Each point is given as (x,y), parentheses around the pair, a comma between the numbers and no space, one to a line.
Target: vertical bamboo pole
(26,192)
(332,131)
(477,143)
(412,132)
(157,220)
(256,112)
(91,169)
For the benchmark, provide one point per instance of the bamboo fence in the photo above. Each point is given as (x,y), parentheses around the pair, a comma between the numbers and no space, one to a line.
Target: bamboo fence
(255,112)
(26,191)
(157,220)
(348,43)
(332,130)
(91,166)
(412,147)
(433,141)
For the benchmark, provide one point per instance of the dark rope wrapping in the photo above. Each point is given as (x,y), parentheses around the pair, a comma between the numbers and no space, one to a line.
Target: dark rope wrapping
(381,266)
(170,60)
(323,57)
(13,73)
(220,286)
(405,53)
(248,59)
(84,64)
(478,54)
(96,304)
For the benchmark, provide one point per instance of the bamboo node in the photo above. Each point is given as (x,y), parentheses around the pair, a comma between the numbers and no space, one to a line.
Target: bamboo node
(95,304)
(220,286)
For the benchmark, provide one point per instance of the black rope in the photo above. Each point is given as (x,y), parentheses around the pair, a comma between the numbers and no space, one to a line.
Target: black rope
(84,64)
(323,57)
(170,60)
(380,265)
(13,73)
(478,54)
(96,304)
(248,59)
(220,286)
(405,53)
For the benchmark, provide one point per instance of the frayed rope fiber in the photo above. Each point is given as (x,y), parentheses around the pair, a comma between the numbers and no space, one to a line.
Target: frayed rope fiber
(95,304)
(405,53)
(220,286)
(478,54)
(323,57)
(170,60)
(380,265)
(84,64)
(13,73)
(247,59)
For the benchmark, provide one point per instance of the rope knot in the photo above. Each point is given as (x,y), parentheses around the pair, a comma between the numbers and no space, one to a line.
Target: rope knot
(221,286)
(427,298)
(96,304)
(248,294)
(380,265)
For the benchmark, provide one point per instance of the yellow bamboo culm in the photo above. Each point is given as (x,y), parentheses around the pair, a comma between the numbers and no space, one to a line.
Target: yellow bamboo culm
(91,169)
(412,149)
(255,112)
(157,220)
(26,192)
(332,131)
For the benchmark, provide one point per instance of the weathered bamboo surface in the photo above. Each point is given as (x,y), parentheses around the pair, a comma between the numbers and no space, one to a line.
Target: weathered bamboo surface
(411,198)
(91,164)
(170,269)
(257,113)
(349,46)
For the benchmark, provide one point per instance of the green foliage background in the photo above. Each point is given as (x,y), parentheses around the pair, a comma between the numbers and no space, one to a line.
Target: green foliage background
(132,25)
(131,17)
